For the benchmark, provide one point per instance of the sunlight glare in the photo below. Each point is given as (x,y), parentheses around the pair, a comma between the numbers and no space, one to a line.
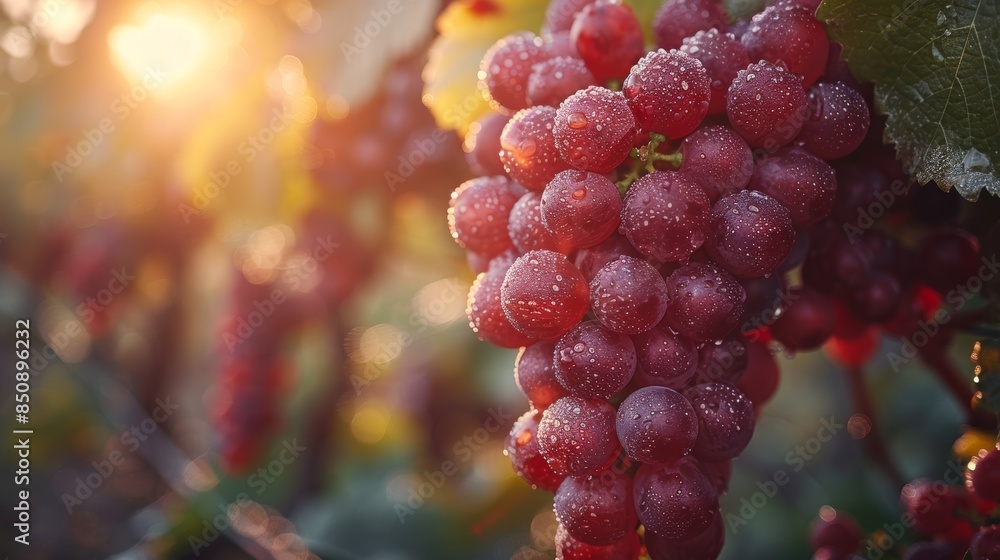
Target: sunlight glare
(170,45)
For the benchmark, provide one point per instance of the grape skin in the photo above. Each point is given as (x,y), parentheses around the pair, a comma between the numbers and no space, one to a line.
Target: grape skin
(723,56)
(668,93)
(665,216)
(506,68)
(705,301)
(580,208)
(656,425)
(577,436)
(664,358)
(628,295)
(594,129)
(718,159)
(594,362)
(535,374)
(543,295)
(766,105)
(676,501)
(521,447)
(479,213)
(800,181)
(751,234)
(529,151)
(596,509)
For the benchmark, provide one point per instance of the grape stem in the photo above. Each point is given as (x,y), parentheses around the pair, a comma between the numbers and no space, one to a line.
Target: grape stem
(645,158)
(872,441)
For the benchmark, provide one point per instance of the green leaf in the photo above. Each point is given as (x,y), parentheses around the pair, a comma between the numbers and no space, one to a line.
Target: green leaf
(968,555)
(936,68)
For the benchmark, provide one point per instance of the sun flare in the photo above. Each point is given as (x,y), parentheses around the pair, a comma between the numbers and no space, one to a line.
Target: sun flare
(170,47)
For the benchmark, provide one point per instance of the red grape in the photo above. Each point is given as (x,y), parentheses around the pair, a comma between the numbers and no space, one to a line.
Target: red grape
(656,425)
(521,447)
(577,435)
(594,362)
(668,92)
(543,295)
(628,295)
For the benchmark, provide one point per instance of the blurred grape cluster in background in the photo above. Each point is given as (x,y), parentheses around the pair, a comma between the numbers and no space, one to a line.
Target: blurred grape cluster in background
(225,222)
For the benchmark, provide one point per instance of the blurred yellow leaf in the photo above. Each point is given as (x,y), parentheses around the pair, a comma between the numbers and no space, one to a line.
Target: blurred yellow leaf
(468,28)
(972,442)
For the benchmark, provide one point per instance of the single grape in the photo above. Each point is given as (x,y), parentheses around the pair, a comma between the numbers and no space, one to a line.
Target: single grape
(800,181)
(580,208)
(577,436)
(722,361)
(486,315)
(751,234)
(529,151)
(789,36)
(482,145)
(525,226)
(725,421)
(554,80)
(543,295)
(807,322)
(835,531)
(766,105)
(505,70)
(560,14)
(596,509)
(877,299)
(761,380)
(535,374)
(609,39)
(628,295)
(982,477)
(568,548)
(723,56)
(591,259)
(947,259)
(676,501)
(656,425)
(705,301)
(664,358)
(718,159)
(707,545)
(934,506)
(838,121)
(521,447)
(668,93)
(478,214)
(594,129)
(665,216)
(986,544)
(677,19)
(594,362)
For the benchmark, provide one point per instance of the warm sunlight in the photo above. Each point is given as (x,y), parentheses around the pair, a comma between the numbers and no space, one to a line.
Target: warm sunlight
(163,52)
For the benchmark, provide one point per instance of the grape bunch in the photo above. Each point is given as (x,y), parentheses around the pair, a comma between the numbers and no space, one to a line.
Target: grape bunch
(635,215)
(950,518)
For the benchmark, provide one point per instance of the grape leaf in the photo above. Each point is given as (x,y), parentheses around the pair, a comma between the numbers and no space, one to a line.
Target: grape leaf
(467,30)
(936,68)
